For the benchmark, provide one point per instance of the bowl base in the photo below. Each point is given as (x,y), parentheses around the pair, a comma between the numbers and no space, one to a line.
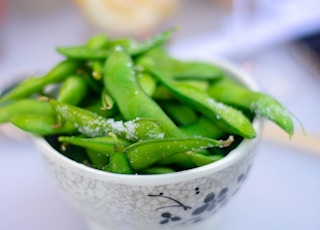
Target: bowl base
(208,224)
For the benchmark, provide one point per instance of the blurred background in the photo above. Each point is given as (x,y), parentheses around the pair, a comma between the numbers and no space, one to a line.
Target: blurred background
(276,41)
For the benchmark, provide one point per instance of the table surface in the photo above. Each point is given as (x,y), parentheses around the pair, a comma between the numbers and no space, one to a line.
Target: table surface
(282,191)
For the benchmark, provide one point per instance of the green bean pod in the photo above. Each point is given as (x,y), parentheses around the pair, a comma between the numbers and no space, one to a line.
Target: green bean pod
(156,170)
(203,127)
(162,93)
(132,101)
(133,48)
(201,160)
(119,163)
(147,83)
(97,160)
(105,144)
(137,48)
(99,41)
(93,125)
(123,42)
(25,107)
(83,53)
(144,154)
(41,125)
(180,160)
(201,85)
(228,118)
(179,113)
(183,160)
(73,90)
(229,92)
(178,69)
(36,84)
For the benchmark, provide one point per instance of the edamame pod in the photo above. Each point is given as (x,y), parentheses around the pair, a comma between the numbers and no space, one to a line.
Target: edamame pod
(119,163)
(99,41)
(183,160)
(147,83)
(132,101)
(93,125)
(228,118)
(83,53)
(157,170)
(97,160)
(178,69)
(179,160)
(41,125)
(229,92)
(201,160)
(36,84)
(105,144)
(162,93)
(137,48)
(25,107)
(133,48)
(95,48)
(73,90)
(144,154)
(203,127)
(180,114)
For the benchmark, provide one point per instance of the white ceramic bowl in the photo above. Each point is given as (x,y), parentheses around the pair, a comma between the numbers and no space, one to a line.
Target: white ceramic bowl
(188,199)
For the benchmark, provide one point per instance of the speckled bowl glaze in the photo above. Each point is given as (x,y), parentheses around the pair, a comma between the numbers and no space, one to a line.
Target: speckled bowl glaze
(190,199)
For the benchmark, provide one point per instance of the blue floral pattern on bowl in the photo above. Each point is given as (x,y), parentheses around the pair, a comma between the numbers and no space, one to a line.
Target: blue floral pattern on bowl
(211,203)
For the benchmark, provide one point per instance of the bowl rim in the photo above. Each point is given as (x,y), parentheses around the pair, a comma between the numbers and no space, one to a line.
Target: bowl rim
(235,155)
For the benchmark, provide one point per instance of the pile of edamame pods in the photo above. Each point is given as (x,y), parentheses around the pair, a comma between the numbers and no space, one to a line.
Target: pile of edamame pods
(128,107)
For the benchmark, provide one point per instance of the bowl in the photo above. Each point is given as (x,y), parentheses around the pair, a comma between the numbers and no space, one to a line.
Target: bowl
(189,199)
